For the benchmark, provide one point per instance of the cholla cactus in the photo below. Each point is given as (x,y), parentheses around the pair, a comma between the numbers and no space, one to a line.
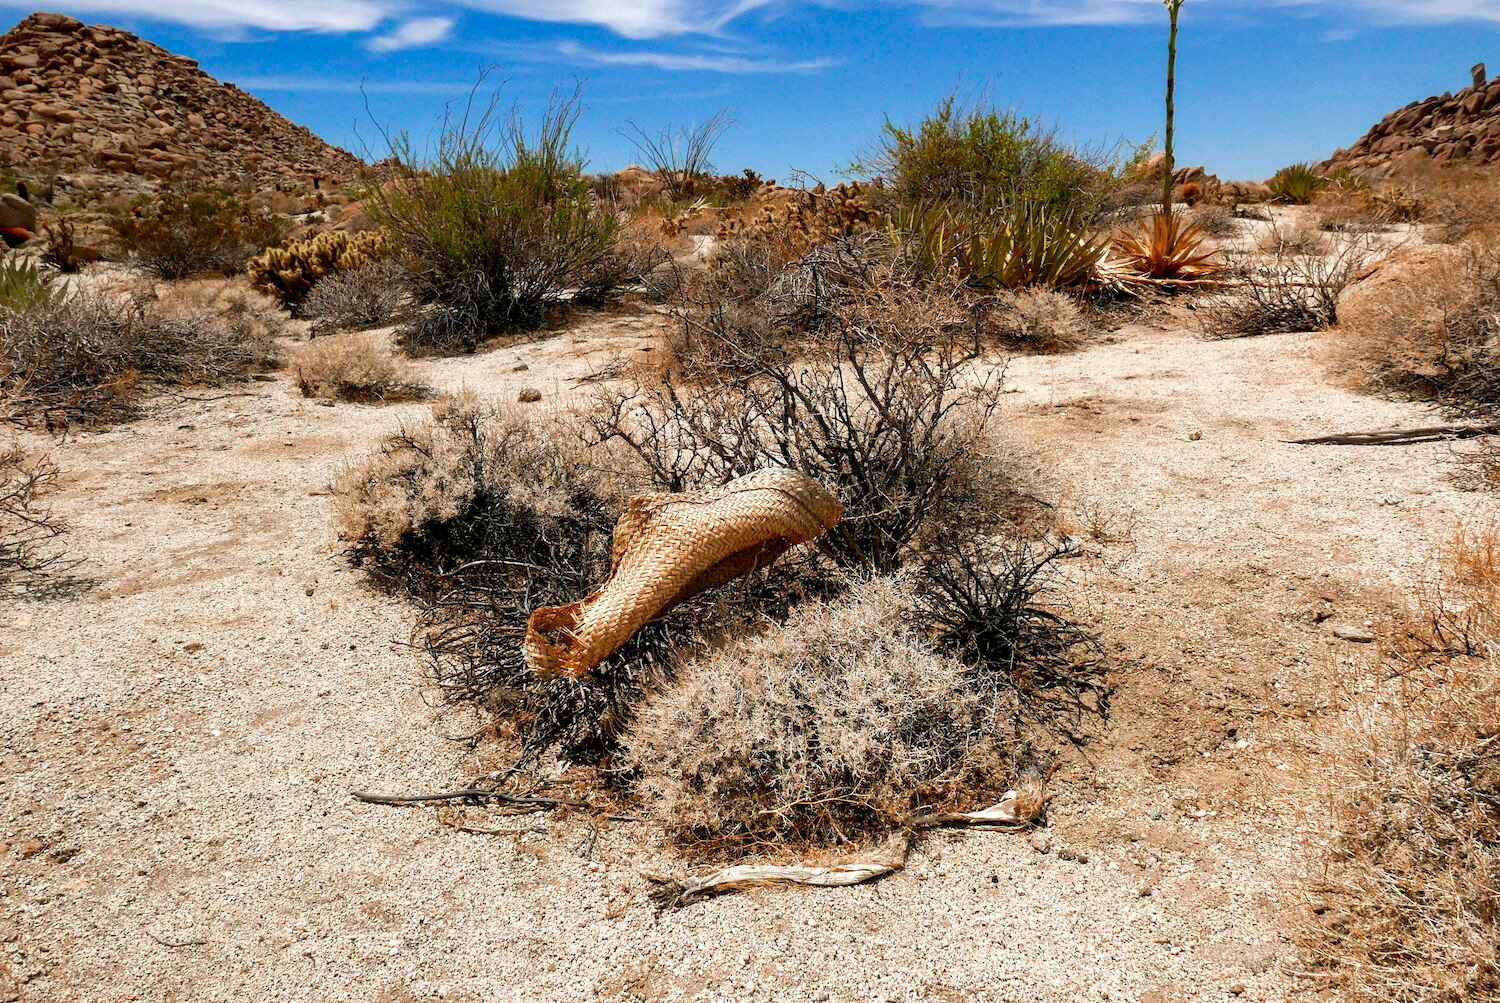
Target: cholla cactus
(289,271)
(810,218)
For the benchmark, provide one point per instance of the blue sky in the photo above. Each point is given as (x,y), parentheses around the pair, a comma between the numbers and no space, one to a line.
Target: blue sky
(1262,83)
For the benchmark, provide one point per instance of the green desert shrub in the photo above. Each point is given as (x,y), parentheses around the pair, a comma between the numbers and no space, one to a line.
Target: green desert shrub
(497,225)
(25,286)
(978,157)
(182,232)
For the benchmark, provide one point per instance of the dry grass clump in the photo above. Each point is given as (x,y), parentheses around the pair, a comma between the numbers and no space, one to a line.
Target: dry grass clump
(1405,904)
(90,357)
(1041,320)
(372,295)
(356,367)
(838,723)
(27,526)
(1434,335)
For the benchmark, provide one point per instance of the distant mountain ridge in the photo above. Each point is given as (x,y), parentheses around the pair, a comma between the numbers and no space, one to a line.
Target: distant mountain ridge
(1451,128)
(109,111)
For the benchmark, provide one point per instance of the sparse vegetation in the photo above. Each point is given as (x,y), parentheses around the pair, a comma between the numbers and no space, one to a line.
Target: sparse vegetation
(678,154)
(355,367)
(291,270)
(28,558)
(180,233)
(497,226)
(1294,291)
(372,295)
(90,357)
(1433,335)
(1405,902)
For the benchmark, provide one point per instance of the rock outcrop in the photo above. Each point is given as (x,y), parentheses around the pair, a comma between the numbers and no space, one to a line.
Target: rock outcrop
(100,109)
(1462,127)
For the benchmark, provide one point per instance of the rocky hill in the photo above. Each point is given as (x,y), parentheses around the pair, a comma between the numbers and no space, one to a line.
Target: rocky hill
(102,110)
(1462,127)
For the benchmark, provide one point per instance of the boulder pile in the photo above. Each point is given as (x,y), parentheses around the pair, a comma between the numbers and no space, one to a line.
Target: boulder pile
(100,109)
(1462,127)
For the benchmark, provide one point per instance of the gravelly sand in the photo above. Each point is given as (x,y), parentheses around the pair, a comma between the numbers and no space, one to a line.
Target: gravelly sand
(179,743)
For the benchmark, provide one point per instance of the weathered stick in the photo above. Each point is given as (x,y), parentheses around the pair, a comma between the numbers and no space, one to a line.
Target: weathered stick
(676,892)
(1402,437)
(466,793)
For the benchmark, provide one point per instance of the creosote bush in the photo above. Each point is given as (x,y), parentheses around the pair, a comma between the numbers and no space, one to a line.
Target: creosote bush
(981,158)
(497,226)
(90,357)
(179,233)
(356,367)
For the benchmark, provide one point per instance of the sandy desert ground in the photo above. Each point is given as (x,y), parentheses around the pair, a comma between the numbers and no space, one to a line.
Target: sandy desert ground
(179,742)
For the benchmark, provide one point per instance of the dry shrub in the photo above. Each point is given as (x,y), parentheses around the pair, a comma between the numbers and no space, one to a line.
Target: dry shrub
(839,723)
(357,367)
(1405,903)
(369,296)
(884,406)
(482,514)
(1293,291)
(1041,320)
(1435,336)
(28,560)
(1217,221)
(90,358)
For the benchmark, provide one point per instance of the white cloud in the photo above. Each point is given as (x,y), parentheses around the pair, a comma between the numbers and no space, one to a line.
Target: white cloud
(630,18)
(1039,13)
(708,62)
(414,34)
(330,16)
(329,85)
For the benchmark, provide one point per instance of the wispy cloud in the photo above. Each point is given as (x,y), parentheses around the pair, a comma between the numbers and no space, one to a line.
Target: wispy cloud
(417,33)
(691,61)
(1044,13)
(629,18)
(330,16)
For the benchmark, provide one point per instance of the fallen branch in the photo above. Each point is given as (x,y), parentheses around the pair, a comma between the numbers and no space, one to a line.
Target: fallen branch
(676,892)
(476,794)
(1401,437)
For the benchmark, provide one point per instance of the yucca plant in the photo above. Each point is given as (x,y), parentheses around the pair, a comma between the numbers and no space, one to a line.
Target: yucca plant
(24,286)
(1297,183)
(1024,243)
(1166,247)
(1346,180)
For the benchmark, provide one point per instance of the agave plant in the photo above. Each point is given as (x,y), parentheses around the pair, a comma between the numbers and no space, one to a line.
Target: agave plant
(24,286)
(1297,183)
(1166,247)
(1022,244)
